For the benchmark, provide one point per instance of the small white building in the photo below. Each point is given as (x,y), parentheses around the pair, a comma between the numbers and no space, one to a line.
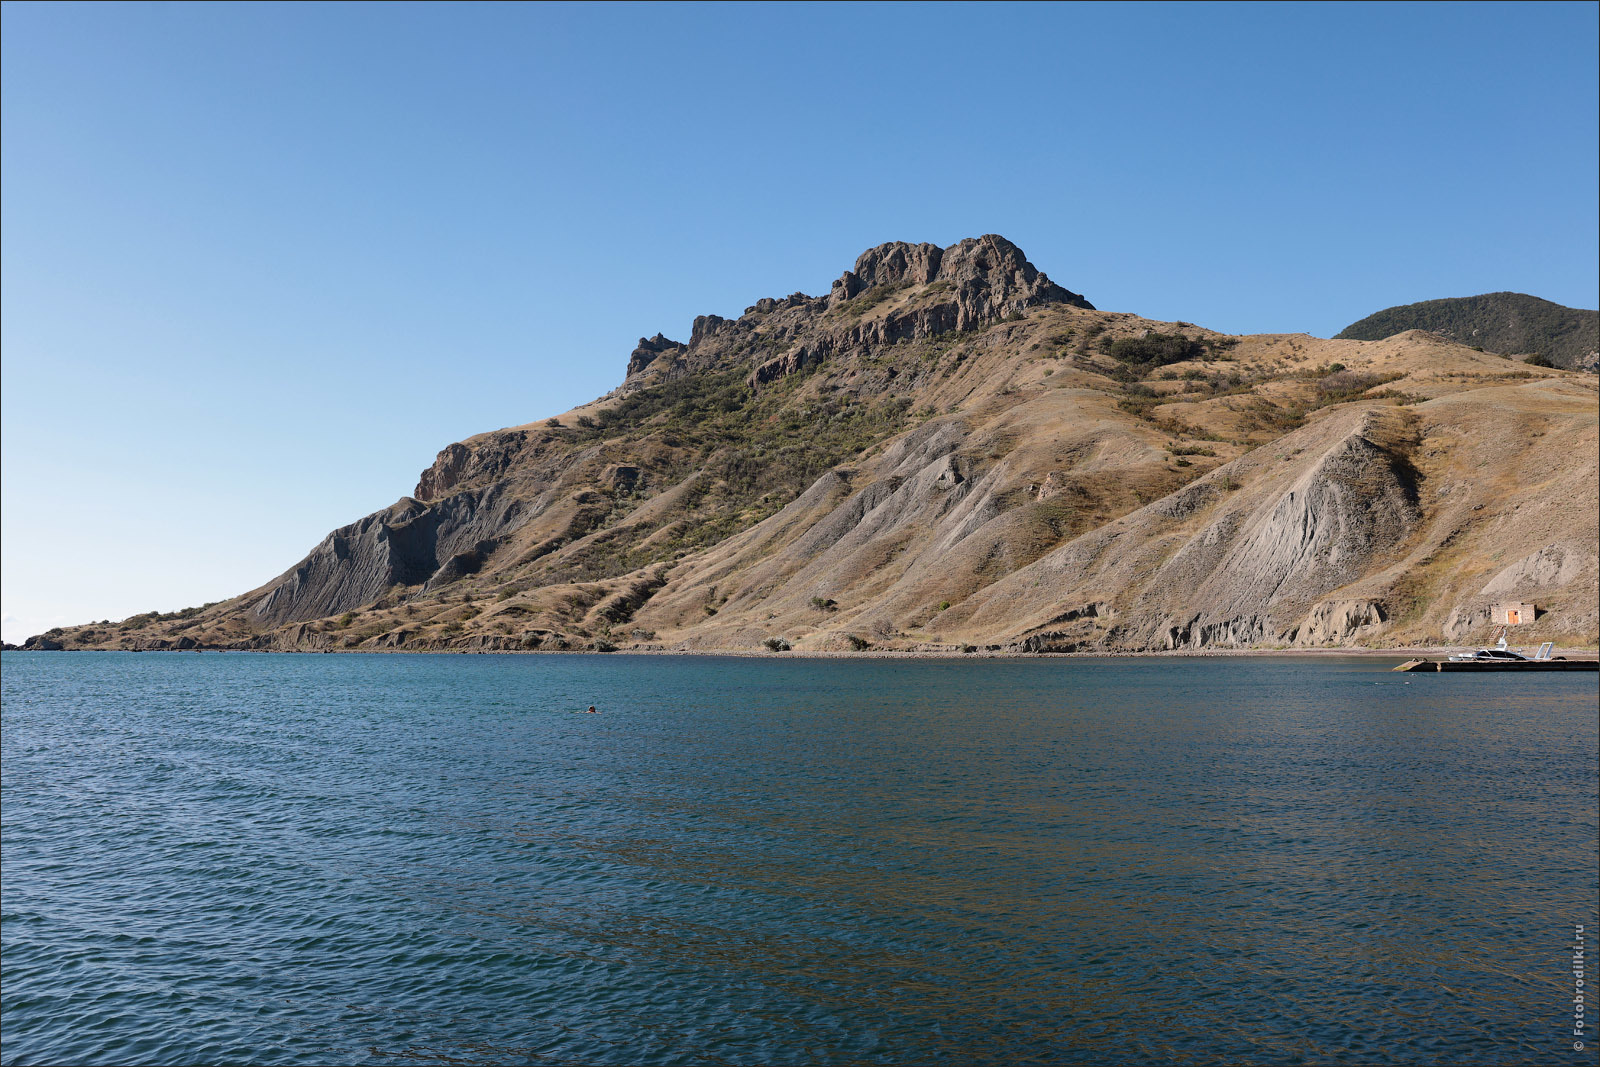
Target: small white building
(1514,614)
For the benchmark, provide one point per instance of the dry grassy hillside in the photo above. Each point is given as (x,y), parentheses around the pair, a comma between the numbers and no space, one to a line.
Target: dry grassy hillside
(951,451)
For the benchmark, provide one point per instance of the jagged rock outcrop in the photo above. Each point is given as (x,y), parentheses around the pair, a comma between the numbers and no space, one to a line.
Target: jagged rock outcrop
(925,291)
(897,292)
(446,471)
(483,460)
(988,278)
(650,349)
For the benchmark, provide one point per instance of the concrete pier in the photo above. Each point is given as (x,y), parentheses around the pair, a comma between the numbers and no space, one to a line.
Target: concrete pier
(1500,665)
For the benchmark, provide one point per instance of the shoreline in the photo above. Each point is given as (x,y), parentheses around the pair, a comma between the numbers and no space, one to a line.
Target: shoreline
(888,654)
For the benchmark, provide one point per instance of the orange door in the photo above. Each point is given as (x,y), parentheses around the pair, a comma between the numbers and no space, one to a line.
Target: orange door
(1514,618)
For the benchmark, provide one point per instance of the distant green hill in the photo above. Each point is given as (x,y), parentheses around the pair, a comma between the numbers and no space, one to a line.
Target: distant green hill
(1512,324)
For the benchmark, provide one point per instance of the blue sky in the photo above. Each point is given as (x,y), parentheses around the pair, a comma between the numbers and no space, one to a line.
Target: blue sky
(261,262)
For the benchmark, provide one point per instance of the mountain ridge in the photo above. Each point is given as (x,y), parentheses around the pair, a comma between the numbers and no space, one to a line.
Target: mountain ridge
(1512,324)
(951,451)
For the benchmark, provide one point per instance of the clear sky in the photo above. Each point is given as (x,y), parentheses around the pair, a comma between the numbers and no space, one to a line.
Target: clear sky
(261,262)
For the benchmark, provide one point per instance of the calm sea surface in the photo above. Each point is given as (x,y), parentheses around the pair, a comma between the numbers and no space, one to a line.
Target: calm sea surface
(437,859)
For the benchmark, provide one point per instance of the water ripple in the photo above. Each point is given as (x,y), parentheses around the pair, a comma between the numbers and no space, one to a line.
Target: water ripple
(433,860)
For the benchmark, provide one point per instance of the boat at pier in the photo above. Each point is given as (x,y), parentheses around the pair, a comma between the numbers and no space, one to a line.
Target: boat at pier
(1500,657)
(1501,654)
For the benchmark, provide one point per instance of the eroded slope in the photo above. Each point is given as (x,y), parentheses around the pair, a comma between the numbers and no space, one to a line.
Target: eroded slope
(950,450)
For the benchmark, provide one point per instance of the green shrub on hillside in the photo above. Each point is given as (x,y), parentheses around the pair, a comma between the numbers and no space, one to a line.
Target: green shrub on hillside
(755,450)
(1156,349)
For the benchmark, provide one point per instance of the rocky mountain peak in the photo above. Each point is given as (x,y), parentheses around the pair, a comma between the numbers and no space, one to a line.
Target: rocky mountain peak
(898,291)
(897,263)
(989,275)
(906,291)
(995,262)
(648,350)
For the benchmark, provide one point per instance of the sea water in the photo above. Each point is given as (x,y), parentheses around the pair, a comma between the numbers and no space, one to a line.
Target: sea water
(403,859)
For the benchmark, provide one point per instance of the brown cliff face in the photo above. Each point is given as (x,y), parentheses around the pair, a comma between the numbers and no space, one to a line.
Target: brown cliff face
(951,451)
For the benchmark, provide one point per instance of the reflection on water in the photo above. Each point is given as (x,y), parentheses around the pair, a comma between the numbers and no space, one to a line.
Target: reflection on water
(431,859)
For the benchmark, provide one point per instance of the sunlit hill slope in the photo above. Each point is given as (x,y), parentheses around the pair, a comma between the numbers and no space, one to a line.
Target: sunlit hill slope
(949,451)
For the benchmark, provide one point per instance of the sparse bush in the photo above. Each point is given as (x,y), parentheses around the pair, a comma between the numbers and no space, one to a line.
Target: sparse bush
(1139,400)
(824,604)
(1342,385)
(1403,399)
(1089,334)
(1264,415)
(1156,349)
(857,644)
(1538,360)
(586,422)
(554,424)
(776,644)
